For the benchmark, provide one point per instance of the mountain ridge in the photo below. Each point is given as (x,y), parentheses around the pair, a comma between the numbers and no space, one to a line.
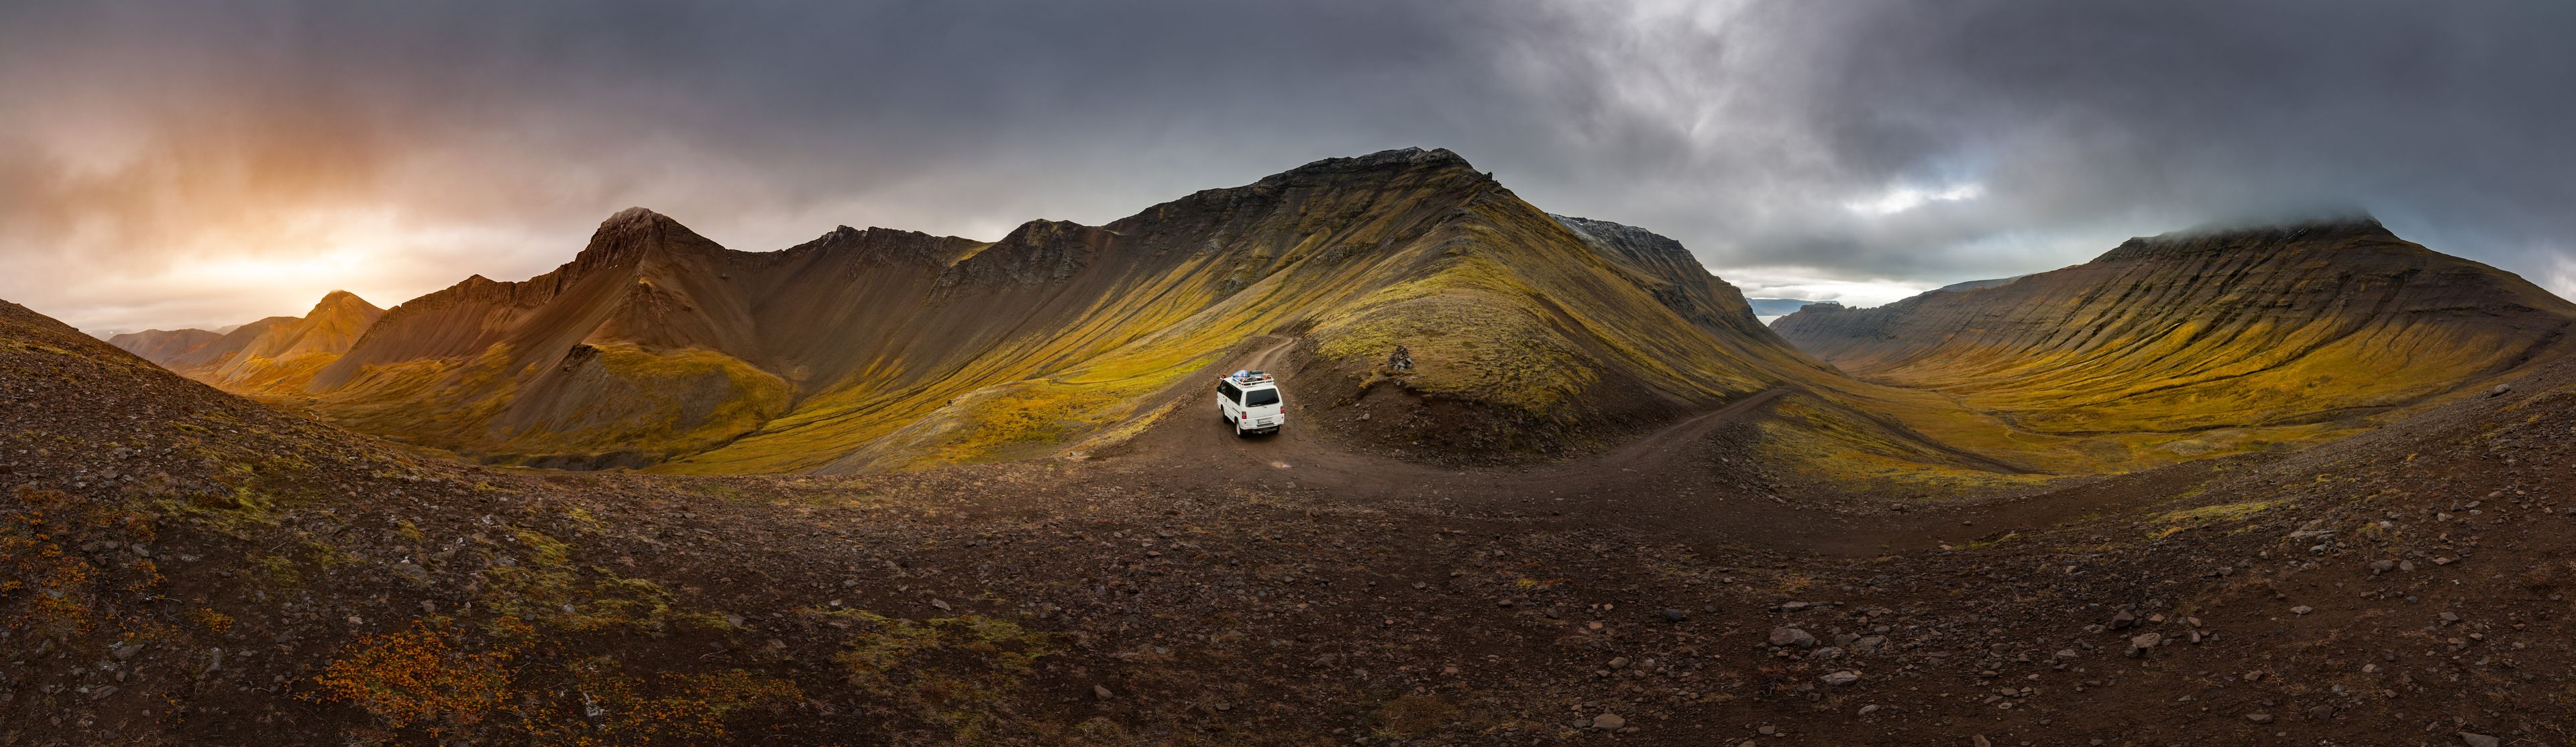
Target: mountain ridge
(2208,341)
(656,346)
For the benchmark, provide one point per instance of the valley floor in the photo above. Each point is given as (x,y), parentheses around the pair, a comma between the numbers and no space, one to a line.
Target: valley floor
(260,579)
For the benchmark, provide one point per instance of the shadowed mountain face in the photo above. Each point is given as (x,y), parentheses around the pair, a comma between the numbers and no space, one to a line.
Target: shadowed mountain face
(273,355)
(2308,330)
(882,348)
(1780,306)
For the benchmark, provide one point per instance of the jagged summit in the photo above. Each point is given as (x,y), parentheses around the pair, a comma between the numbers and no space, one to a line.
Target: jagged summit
(635,234)
(635,215)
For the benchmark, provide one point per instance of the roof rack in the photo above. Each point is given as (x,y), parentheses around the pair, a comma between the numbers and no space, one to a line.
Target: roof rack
(1250,377)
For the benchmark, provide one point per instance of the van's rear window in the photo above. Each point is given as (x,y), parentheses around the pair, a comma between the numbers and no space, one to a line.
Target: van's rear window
(1259,397)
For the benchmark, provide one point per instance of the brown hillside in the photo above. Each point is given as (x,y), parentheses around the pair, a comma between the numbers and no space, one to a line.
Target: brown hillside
(2206,341)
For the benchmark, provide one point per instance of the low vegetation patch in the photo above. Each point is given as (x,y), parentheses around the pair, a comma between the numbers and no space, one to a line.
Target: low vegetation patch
(415,677)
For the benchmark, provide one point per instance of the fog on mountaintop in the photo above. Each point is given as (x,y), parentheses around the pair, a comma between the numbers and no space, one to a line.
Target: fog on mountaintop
(207,165)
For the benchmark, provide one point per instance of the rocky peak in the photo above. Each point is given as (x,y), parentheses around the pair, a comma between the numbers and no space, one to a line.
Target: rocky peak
(875,244)
(340,301)
(633,235)
(1385,164)
(1637,243)
(1039,251)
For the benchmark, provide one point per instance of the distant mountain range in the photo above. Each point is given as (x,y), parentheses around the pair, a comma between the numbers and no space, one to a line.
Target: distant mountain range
(1531,334)
(1779,306)
(273,355)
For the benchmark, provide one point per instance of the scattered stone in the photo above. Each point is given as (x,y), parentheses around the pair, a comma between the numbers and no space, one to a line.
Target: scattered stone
(1840,678)
(1788,637)
(2302,609)
(1675,616)
(2499,391)
(2478,740)
(2260,718)
(2382,566)
(2138,646)
(1101,692)
(1607,722)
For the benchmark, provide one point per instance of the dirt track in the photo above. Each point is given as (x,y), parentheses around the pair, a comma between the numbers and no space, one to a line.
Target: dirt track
(1681,478)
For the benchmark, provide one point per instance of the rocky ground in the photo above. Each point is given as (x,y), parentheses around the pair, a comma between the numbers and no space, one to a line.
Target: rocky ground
(177,565)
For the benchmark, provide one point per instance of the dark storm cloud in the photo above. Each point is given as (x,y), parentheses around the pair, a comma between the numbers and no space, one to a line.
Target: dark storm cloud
(152,156)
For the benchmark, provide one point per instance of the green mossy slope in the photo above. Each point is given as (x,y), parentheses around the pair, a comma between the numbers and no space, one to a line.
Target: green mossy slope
(2193,344)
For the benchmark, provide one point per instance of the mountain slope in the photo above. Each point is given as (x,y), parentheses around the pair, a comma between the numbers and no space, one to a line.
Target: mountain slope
(164,344)
(265,358)
(879,348)
(2204,341)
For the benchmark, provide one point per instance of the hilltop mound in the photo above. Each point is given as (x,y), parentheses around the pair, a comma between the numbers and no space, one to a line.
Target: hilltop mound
(2205,341)
(880,348)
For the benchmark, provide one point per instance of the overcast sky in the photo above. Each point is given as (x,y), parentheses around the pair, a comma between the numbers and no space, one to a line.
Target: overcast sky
(199,164)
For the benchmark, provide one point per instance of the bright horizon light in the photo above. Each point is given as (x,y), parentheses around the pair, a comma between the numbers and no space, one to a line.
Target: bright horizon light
(1902,199)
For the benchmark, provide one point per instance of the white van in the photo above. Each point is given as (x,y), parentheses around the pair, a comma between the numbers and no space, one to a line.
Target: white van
(1250,401)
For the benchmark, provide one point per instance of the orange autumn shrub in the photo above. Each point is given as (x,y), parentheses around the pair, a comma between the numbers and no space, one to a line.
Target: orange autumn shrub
(415,677)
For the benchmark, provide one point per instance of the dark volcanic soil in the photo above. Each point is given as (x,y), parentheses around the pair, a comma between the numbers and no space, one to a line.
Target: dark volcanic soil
(239,575)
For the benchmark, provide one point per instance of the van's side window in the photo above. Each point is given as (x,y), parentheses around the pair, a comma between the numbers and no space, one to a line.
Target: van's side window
(1231,394)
